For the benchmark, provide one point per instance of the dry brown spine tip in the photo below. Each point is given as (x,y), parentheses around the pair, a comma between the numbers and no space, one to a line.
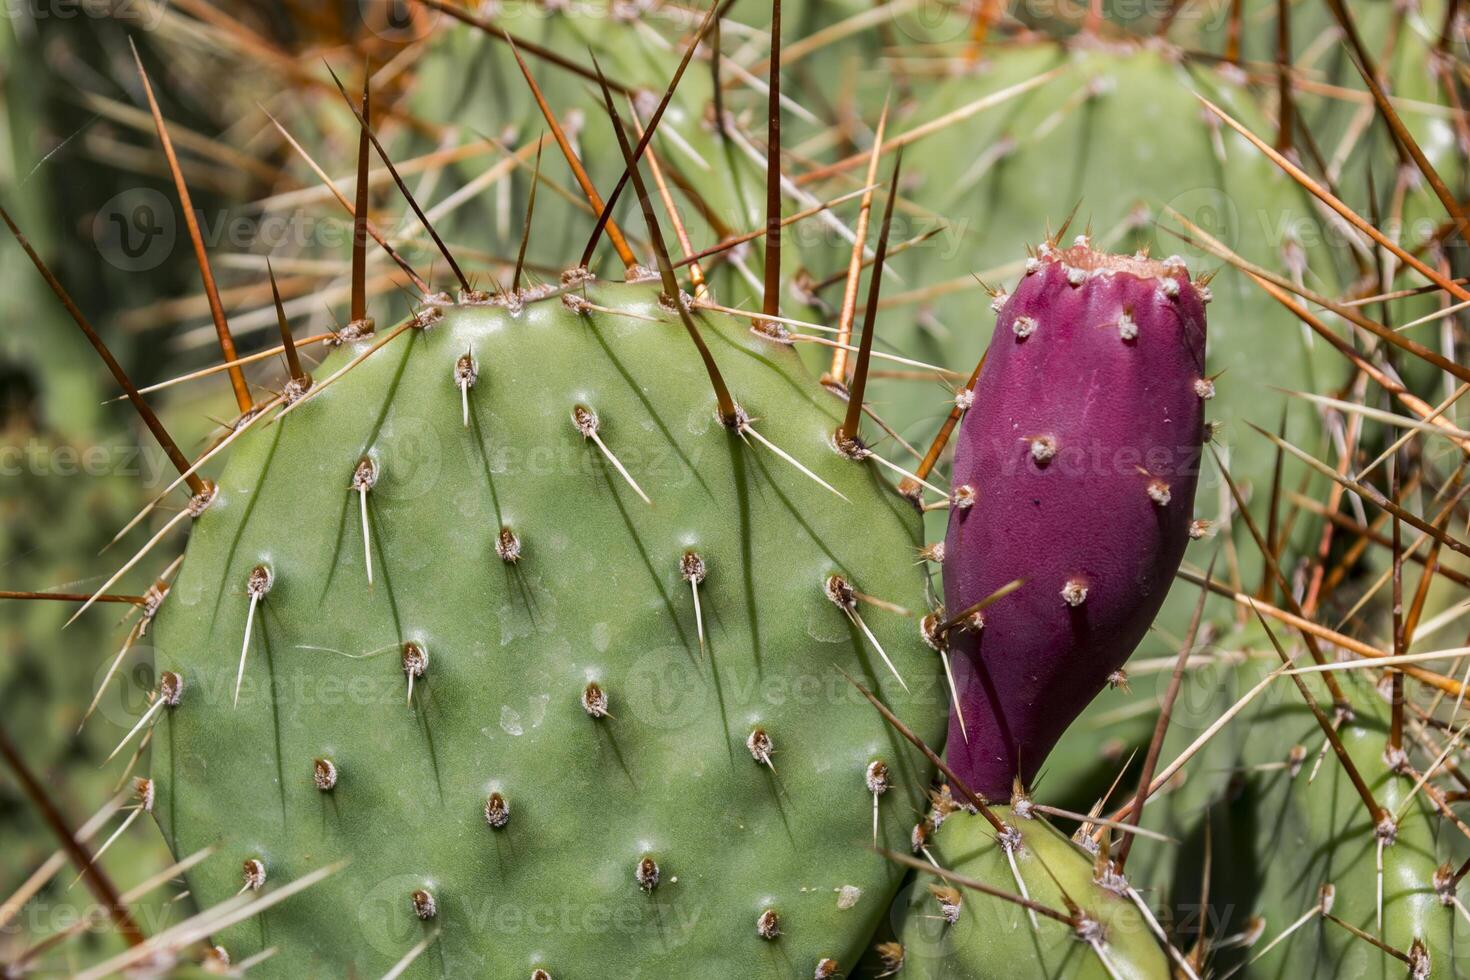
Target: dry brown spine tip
(508,546)
(324,774)
(365,475)
(890,956)
(253,874)
(768,924)
(647,874)
(760,746)
(1158,492)
(497,811)
(692,567)
(826,969)
(424,905)
(877,777)
(1074,593)
(594,700)
(962,497)
(840,592)
(1023,327)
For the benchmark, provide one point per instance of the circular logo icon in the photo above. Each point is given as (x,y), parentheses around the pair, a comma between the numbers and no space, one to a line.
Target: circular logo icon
(135,230)
(924,935)
(411,455)
(1212,211)
(124,686)
(665,689)
(932,21)
(386,917)
(398,21)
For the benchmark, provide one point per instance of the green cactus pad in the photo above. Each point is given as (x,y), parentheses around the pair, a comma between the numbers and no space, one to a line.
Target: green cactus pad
(992,937)
(639,828)
(1294,827)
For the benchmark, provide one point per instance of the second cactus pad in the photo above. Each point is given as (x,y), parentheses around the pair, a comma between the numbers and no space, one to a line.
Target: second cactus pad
(547,724)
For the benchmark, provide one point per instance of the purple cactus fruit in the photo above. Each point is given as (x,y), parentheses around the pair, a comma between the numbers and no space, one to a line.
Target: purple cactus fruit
(1081,448)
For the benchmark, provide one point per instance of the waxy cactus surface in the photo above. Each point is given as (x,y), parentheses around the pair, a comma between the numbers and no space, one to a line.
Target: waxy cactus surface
(597,734)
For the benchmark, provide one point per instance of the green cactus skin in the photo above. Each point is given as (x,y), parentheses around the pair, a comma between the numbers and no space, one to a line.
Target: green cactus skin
(1288,834)
(596,596)
(993,938)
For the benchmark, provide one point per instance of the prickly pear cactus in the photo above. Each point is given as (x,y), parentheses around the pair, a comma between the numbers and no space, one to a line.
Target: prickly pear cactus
(1085,930)
(550,722)
(1076,465)
(1304,846)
